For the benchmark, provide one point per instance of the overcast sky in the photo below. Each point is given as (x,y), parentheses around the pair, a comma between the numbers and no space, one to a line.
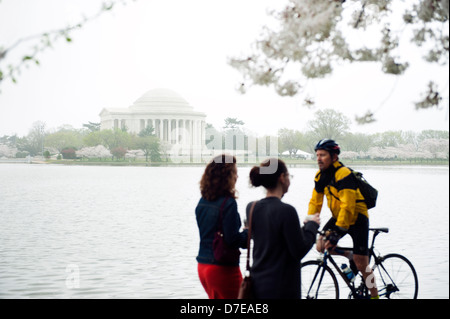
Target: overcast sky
(183,45)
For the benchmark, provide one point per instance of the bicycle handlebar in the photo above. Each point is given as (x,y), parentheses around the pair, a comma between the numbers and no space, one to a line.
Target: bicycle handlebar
(378,230)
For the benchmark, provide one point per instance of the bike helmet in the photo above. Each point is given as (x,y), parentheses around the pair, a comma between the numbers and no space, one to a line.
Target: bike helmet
(328,145)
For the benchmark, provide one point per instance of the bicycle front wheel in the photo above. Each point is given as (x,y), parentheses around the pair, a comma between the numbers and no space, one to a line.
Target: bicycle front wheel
(318,281)
(396,278)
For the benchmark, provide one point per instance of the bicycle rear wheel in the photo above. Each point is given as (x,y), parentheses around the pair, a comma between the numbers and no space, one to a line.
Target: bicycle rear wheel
(318,281)
(396,277)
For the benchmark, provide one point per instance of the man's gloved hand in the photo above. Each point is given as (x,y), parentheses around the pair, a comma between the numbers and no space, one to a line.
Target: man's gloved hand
(333,237)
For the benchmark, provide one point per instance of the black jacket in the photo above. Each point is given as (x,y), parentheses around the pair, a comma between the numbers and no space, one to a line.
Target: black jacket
(279,243)
(207,214)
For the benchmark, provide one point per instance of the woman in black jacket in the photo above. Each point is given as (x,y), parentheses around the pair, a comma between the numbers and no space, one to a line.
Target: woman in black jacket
(279,241)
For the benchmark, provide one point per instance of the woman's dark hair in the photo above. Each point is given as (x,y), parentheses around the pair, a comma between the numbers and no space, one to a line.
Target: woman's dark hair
(218,179)
(267,173)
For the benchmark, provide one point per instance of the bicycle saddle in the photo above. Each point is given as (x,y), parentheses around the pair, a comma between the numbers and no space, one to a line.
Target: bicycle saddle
(382,229)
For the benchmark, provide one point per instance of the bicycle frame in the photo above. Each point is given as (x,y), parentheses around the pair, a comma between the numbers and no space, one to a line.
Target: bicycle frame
(359,289)
(327,257)
(378,262)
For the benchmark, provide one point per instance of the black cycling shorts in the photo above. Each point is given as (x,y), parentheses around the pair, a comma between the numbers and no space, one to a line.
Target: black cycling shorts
(358,231)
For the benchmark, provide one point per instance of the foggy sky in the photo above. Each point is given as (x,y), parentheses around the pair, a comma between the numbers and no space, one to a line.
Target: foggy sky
(183,46)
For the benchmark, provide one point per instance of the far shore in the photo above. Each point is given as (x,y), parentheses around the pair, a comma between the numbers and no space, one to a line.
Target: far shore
(200,163)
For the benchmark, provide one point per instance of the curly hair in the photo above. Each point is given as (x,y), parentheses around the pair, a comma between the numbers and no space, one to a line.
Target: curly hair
(219,178)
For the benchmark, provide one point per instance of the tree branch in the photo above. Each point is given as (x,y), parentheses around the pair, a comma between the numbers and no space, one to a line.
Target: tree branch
(46,39)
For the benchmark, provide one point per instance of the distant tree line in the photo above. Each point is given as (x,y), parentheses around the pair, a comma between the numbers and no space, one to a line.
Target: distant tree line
(90,142)
(390,145)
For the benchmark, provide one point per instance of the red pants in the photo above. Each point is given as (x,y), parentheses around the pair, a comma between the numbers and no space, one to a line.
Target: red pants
(220,282)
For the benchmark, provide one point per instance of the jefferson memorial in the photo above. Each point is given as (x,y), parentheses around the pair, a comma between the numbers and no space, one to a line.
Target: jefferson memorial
(174,120)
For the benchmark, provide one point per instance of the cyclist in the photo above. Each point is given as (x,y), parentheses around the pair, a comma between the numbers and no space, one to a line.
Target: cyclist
(349,212)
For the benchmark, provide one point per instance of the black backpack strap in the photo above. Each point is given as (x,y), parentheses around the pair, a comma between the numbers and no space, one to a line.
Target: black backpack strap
(331,193)
(333,180)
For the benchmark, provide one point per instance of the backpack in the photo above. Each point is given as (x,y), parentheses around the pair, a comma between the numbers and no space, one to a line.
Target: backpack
(369,193)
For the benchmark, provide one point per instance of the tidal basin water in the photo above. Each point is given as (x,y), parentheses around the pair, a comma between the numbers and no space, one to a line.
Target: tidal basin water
(130,232)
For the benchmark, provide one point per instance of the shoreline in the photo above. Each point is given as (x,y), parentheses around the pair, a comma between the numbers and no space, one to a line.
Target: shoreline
(289,163)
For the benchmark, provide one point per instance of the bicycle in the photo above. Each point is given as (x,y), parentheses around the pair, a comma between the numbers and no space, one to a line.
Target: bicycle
(395,276)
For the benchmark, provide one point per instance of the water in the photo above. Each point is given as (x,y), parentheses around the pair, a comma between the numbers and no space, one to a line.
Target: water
(130,232)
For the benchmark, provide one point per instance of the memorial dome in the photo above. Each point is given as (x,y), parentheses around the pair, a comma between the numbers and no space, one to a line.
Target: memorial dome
(173,119)
(161,100)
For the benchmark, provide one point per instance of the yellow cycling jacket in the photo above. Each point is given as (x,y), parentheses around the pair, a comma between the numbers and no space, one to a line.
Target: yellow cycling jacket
(343,196)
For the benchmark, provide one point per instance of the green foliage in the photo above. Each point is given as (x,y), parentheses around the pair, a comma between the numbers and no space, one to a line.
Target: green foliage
(109,138)
(356,142)
(390,144)
(148,131)
(64,138)
(151,147)
(291,141)
(33,143)
(429,144)
(429,134)
(329,123)
(22,154)
(92,127)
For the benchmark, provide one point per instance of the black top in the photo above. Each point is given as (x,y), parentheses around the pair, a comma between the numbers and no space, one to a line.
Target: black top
(279,243)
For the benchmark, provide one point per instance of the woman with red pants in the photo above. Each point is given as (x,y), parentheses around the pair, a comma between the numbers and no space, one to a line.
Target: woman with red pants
(217,209)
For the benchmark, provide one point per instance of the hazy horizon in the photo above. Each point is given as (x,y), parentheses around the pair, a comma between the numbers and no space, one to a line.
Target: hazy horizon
(184,47)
